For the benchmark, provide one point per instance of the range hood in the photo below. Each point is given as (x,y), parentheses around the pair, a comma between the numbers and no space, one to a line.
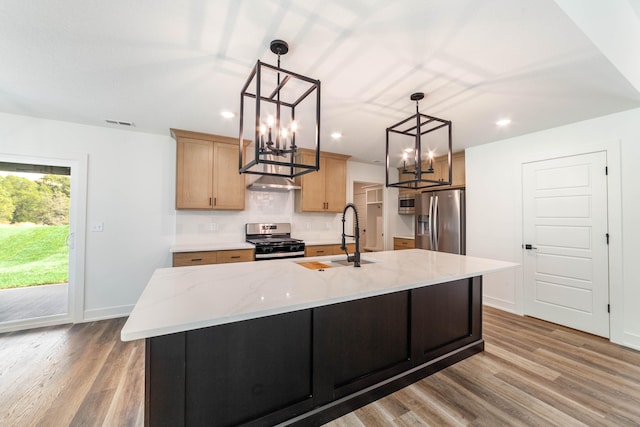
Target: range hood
(273,183)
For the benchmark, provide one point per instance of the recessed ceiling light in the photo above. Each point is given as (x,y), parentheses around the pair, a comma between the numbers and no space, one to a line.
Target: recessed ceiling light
(408,150)
(503,122)
(336,135)
(227,114)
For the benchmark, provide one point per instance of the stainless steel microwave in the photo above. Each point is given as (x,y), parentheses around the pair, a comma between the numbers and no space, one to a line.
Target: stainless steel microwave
(406,204)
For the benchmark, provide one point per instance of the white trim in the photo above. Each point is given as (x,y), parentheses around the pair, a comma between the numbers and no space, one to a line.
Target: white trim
(500,304)
(353,178)
(631,340)
(77,225)
(36,322)
(107,313)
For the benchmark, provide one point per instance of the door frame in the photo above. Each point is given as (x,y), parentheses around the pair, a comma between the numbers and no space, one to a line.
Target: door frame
(77,229)
(614,225)
(352,178)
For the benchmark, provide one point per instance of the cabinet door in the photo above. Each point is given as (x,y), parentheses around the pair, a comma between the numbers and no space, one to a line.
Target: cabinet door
(313,188)
(458,170)
(335,184)
(194,174)
(228,184)
(441,168)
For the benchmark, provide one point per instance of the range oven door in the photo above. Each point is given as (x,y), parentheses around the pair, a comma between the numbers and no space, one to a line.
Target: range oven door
(264,253)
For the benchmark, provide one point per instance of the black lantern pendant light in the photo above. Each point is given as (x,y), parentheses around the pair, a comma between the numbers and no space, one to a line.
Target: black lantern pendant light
(419,174)
(284,122)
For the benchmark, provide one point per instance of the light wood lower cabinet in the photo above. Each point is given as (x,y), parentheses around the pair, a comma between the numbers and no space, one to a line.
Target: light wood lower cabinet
(400,243)
(322,250)
(183,259)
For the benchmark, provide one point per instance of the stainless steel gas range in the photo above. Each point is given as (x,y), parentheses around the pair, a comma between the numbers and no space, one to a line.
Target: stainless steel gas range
(273,241)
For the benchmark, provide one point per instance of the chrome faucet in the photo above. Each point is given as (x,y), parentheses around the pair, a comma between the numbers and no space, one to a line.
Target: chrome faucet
(356,256)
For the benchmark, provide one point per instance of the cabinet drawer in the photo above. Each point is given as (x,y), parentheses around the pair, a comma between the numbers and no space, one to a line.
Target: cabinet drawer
(399,243)
(322,250)
(239,255)
(182,259)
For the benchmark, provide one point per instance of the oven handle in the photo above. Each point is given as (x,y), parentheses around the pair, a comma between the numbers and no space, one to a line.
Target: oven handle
(275,255)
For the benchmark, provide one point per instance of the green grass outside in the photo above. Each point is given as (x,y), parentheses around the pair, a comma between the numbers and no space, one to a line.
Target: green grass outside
(32,256)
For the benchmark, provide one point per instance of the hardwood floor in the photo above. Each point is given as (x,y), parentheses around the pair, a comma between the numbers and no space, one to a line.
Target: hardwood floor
(531,373)
(80,375)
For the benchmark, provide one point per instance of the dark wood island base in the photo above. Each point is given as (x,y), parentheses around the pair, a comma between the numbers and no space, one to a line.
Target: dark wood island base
(310,366)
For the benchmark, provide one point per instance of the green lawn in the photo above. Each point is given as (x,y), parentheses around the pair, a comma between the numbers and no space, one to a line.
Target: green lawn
(33,255)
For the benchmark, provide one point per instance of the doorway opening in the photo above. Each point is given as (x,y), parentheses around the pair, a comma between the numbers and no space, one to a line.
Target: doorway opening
(35,242)
(368,198)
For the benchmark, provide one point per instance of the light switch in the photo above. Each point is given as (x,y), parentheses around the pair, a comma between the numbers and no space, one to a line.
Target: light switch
(97,227)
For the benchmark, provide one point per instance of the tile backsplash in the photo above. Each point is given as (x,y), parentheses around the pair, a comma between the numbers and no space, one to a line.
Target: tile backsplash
(228,226)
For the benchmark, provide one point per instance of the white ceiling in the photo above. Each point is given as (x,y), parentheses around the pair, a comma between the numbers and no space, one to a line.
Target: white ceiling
(168,63)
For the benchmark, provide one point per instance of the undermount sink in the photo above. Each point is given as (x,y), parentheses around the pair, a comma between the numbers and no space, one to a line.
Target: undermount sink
(344,262)
(321,265)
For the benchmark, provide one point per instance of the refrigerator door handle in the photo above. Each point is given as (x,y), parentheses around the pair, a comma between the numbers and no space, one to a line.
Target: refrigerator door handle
(435,225)
(431,244)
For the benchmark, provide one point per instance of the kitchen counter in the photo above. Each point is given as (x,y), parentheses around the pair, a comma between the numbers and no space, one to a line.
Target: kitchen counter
(187,298)
(197,247)
(264,343)
(405,237)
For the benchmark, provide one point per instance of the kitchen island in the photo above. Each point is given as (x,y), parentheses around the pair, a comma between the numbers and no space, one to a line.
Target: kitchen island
(302,340)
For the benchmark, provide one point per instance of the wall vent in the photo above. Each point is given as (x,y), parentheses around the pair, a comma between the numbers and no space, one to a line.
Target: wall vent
(120,123)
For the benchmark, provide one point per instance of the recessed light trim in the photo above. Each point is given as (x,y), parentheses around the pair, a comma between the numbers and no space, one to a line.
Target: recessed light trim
(503,122)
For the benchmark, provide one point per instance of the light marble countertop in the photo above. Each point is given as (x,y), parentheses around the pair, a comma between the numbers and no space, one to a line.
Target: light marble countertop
(196,247)
(405,237)
(187,298)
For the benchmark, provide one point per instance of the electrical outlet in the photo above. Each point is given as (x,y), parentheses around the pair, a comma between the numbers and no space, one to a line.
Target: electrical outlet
(97,227)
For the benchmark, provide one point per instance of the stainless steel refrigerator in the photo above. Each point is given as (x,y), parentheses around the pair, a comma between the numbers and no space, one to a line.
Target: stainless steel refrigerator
(440,221)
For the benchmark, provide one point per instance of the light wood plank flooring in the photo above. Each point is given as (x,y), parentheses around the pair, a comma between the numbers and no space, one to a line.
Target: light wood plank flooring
(531,373)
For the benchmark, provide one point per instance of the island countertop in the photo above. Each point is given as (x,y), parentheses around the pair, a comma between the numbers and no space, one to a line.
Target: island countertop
(187,298)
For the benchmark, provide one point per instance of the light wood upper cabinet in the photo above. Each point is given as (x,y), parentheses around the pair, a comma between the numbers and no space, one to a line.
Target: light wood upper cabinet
(326,189)
(207,172)
(440,173)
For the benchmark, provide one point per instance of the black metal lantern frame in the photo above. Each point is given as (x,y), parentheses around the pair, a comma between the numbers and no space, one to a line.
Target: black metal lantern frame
(415,127)
(274,152)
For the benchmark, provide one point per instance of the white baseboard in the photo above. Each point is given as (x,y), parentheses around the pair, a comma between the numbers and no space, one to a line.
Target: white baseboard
(631,341)
(499,304)
(107,313)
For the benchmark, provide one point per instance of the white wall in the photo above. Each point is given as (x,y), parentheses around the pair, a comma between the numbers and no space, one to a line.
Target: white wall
(494,209)
(228,226)
(130,188)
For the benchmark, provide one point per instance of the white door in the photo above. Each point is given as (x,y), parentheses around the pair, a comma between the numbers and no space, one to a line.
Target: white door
(566,266)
